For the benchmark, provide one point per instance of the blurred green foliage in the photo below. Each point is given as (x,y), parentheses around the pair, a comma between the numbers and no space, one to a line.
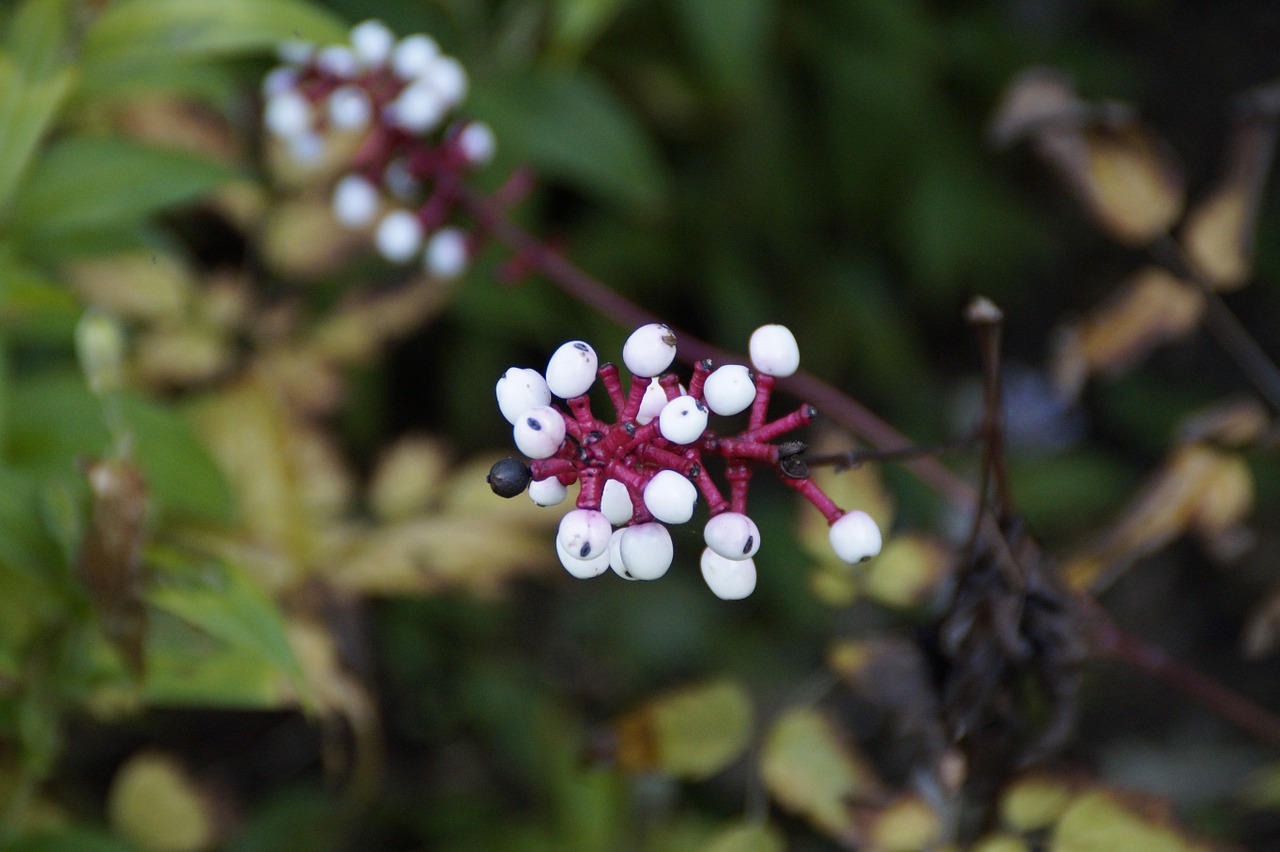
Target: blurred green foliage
(724,163)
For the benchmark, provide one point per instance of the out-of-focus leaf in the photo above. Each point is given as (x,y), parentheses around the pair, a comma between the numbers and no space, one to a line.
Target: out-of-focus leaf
(577,24)
(1219,232)
(87,184)
(187,667)
(1261,632)
(574,128)
(1151,309)
(1001,843)
(176,357)
(36,33)
(27,109)
(906,824)
(810,770)
(1034,802)
(1199,489)
(157,805)
(1123,173)
(140,41)
(907,572)
(1233,423)
(1103,820)
(223,602)
(60,840)
(747,837)
(693,732)
(301,239)
(728,38)
(407,477)
(34,308)
(148,286)
(110,558)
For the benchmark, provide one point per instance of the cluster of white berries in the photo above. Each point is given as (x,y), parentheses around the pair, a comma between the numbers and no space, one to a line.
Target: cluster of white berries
(398,93)
(645,469)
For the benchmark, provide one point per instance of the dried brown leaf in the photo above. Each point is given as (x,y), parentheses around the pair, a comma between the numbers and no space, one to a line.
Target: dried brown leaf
(110,556)
(1153,308)
(1200,489)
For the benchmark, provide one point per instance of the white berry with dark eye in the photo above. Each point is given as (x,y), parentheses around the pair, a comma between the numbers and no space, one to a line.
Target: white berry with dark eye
(728,579)
(583,569)
(732,535)
(572,369)
(539,432)
(649,350)
(584,534)
(683,420)
(729,390)
(774,351)
(855,537)
(670,497)
(646,550)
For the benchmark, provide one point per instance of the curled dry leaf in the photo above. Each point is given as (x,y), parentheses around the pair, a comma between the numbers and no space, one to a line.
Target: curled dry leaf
(1200,489)
(693,732)
(1153,308)
(1124,174)
(811,770)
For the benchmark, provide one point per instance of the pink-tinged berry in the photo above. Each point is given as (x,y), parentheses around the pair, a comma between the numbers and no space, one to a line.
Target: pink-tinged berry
(728,579)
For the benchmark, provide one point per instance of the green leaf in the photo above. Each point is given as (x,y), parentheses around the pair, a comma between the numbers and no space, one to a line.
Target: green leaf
(36,34)
(223,602)
(728,38)
(577,24)
(91,183)
(693,732)
(573,127)
(747,837)
(60,840)
(27,108)
(34,308)
(55,421)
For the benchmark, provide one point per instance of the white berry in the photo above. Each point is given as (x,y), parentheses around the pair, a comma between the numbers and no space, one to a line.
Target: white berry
(446,255)
(855,537)
(774,351)
(372,41)
(287,114)
(279,80)
(732,535)
(295,51)
(683,420)
(449,79)
(729,390)
(306,147)
(652,403)
(649,350)
(615,502)
(646,550)
(572,369)
(728,579)
(547,492)
(413,54)
(356,201)
(349,108)
(338,60)
(583,569)
(477,143)
(418,108)
(539,432)
(520,389)
(398,236)
(615,555)
(670,497)
(584,534)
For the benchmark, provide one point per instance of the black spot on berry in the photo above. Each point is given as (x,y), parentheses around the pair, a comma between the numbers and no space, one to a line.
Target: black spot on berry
(581,347)
(533,424)
(746,548)
(585,551)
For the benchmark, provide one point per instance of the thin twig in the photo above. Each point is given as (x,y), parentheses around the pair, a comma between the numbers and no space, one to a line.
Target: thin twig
(850,459)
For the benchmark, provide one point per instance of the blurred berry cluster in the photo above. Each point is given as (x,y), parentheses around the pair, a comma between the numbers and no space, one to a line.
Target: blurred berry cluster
(399,95)
(646,468)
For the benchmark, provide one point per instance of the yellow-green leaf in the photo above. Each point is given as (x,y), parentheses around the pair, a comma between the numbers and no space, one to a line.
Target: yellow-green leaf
(1101,820)
(747,837)
(156,804)
(692,732)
